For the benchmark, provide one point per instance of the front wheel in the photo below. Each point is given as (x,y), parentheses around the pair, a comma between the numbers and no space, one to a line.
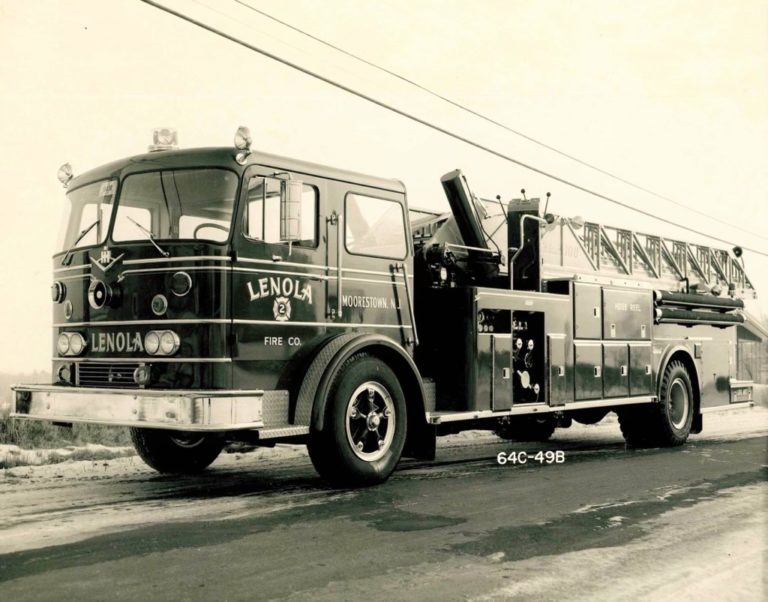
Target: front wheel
(364,425)
(176,452)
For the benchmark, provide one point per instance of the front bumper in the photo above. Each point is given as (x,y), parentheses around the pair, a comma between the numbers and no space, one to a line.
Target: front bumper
(187,410)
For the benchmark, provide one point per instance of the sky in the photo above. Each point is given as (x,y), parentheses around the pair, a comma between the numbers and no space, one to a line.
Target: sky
(671,95)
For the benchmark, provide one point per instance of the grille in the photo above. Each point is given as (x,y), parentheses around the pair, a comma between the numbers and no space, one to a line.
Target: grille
(97,374)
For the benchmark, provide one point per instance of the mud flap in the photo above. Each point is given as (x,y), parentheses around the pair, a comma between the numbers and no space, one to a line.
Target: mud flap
(421,443)
(698,423)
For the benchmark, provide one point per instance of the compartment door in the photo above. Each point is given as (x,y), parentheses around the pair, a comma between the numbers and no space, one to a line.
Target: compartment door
(589,371)
(616,367)
(501,346)
(560,374)
(587,311)
(640,371)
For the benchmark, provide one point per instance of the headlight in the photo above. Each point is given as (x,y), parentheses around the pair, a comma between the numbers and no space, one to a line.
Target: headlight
(169,343)
(63,343)
(151,342)
(161,342)
(70,343)
(76,343)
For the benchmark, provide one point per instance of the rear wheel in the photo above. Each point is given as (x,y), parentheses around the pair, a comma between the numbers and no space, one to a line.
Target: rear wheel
(668,422)
(364,425)
(176,452)
(527,428)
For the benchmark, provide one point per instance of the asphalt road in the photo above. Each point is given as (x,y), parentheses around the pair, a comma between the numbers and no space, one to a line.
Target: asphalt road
(606,523)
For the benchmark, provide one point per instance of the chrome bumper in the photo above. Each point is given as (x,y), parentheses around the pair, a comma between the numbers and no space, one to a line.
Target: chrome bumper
(147,408)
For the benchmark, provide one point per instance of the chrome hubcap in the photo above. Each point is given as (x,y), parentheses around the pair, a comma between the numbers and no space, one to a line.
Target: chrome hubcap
(678,404)
(370,423)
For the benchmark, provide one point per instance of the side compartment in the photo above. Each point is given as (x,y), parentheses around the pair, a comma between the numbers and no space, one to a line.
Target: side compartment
(588,371)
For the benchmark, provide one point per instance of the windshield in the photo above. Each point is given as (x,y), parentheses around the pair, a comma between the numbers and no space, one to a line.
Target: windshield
(87,215)
(180,204)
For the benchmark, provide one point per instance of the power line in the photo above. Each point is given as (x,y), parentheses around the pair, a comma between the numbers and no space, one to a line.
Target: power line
(430,125)
(494,121)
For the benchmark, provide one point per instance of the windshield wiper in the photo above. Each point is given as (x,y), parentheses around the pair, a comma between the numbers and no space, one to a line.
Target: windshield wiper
(149,235)
(80,237)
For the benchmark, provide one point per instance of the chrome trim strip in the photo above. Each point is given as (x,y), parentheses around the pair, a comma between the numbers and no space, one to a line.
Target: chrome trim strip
(389,274)
(139,323)
(529,408)
(148,359)
(325,268)
(74,267)
(224,258)
(288,263)
(389,282)
(326,324)
(284,272)
(194,268)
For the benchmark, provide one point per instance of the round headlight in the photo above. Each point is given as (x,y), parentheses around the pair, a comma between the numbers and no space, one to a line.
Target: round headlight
(159,305)
(63,343)
(151,342)
(169,343)
(181,284)
(76,344)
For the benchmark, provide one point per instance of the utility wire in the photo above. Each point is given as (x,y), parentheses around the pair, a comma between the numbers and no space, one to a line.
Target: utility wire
(493,121)
(430,125)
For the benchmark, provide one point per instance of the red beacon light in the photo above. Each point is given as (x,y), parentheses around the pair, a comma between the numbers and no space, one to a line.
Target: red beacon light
(164,139)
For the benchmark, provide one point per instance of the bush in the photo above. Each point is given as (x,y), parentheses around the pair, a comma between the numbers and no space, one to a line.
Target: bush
(31,434)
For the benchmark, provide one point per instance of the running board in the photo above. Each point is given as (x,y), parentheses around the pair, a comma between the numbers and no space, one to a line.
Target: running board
(537,408)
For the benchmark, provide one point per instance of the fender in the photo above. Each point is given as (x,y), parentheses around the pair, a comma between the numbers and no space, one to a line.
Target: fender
(668,353)
(310,404)
(698,421)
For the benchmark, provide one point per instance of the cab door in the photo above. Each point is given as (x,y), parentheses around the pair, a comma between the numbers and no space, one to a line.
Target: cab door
(280,288)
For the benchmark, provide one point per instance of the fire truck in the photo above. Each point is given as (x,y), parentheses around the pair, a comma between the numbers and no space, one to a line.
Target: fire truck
(214,295)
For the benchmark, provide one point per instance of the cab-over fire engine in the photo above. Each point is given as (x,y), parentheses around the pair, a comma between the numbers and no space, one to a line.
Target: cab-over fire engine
(213,295)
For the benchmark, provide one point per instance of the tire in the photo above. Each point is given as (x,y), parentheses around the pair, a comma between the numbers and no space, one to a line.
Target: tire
(527,428)
(364,425)
(176,452)
(667,423)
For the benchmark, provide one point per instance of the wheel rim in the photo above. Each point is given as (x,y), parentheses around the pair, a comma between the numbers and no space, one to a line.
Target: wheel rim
(370,421)
(678,404)
(187,440)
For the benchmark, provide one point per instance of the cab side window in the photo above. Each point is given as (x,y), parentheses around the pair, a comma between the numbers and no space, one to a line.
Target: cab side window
(374,227)
(262,212)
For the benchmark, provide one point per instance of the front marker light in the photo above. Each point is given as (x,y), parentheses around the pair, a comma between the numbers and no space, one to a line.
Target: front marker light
(152,342)
(62,345)
(141,375)
(64,374)
(169,342)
